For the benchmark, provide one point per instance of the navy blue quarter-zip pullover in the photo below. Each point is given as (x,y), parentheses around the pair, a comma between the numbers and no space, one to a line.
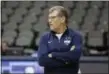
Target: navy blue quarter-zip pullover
(65,52)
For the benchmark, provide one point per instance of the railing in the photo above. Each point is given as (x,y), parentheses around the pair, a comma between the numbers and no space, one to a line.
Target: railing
(83,59)
(16,64)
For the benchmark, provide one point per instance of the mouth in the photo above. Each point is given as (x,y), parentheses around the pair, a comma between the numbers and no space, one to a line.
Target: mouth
(50,24)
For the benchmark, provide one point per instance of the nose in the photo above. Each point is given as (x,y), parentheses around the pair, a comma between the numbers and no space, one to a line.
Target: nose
(49,20)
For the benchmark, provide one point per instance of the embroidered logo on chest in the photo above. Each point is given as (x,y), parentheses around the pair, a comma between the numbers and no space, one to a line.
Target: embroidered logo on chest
(67,40)
(49,42)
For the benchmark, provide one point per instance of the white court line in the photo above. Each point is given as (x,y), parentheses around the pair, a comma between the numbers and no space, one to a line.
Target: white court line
(23,63)
(79,71)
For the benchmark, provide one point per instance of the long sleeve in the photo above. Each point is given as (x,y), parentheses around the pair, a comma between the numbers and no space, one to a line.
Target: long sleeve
(71,56)
(43,52)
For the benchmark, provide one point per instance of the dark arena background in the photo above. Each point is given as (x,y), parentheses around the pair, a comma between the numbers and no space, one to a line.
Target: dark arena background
(23,23)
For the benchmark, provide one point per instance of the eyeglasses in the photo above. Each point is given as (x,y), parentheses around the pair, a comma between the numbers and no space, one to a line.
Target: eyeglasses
(53,17)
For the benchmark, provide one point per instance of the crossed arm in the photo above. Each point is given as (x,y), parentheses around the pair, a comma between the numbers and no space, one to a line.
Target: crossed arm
(44,59)
(71,56)
(59,58)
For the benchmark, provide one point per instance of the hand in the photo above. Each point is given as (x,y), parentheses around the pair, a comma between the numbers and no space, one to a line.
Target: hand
(72,48)
(50,55)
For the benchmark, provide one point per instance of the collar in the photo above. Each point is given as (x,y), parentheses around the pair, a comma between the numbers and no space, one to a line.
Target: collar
(65,33)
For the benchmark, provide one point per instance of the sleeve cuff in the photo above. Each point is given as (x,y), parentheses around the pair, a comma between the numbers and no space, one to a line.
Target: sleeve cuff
(55,54)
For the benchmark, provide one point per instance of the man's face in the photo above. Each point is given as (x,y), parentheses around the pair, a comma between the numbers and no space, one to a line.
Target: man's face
(54,20)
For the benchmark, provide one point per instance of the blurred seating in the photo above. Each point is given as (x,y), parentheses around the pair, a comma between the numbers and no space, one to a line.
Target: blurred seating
(23,22)
(79,12)
(77,15)
(12,4)
(84,36)
(106,4)
(10,33)
(93,12)
(74,25)
(45,12)
(37,41)
(21,11)
(31,18)
(24,41)
(38,27)
(9,39)
(104,16)
(4,18)
(68,4)
(27,33)
(24,27)
(28,51)
(39,4)
(7,11)
(10,26)
(52,3)
(97,4)
(95,38)
(82,5)
(95,43)
(35,10)
(3,4)
(25,4)
(15,51)
(16,18)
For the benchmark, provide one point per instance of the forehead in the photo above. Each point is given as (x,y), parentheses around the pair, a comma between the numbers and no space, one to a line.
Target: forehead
(54,13)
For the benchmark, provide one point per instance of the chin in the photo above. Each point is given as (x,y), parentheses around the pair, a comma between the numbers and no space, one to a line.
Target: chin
(52,29)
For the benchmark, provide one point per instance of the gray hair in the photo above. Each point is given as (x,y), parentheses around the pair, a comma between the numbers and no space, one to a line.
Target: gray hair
(62,11)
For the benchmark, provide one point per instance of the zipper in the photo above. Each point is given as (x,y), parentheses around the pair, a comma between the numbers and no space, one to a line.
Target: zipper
(59,43)
(59,40)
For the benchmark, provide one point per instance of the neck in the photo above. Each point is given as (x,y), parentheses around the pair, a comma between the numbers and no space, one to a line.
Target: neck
(61,29)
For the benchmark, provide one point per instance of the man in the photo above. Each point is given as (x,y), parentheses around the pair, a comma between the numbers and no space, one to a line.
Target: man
(4,47)
(60,49)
